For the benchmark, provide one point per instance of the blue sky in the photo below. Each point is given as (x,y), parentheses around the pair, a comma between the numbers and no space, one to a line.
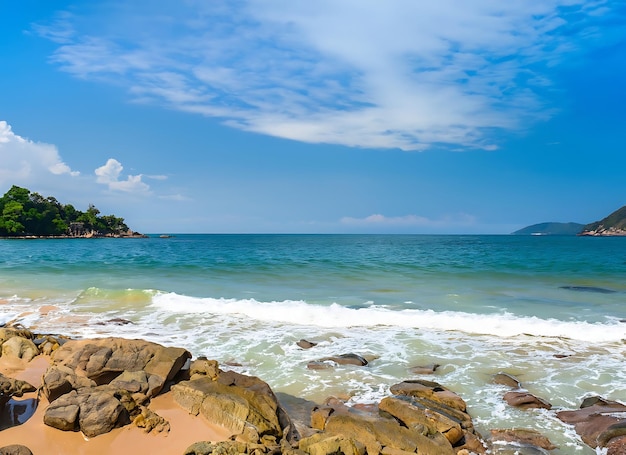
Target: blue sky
(326,116)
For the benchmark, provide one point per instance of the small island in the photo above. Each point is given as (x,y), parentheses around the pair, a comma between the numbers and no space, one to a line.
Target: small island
(25,214)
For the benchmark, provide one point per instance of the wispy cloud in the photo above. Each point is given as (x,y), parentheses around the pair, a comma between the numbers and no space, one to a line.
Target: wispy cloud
(24,162)
(407,221)
(109,174)
(361,73)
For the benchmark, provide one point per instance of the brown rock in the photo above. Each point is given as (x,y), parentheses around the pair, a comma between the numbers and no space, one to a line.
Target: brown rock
(304,344)
(10,387)
(507,379)
(523,436)
(243,404)
(411,415)
(430,390)
(377,433)
(204,367)
(59,380)
(525,400)
(424,369)
(22,348)
(598,421)
(93,410)
(102,360)
(616,446)
(322,444)
(346,359)
(15,449)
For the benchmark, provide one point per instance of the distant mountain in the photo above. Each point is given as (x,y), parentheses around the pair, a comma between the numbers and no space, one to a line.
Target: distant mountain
(614,224)
(551,229)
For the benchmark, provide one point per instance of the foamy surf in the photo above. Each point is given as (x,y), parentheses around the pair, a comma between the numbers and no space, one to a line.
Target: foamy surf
(301,313)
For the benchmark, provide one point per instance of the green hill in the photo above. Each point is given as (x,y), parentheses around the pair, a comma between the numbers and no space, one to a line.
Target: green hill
(614,224)
(551,229)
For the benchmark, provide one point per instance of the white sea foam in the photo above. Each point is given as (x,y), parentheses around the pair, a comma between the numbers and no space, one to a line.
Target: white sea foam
(337,316)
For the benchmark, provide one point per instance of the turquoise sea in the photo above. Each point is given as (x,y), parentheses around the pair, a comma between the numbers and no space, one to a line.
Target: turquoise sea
(549,310)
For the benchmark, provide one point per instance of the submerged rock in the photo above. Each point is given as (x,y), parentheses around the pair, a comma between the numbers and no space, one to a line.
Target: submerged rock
(522,437)
(598,422)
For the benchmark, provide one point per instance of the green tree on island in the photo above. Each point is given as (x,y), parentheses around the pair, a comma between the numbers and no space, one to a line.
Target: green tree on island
(24,213)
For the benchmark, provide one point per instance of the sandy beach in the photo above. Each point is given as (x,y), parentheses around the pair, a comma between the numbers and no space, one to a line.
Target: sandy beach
(185,429)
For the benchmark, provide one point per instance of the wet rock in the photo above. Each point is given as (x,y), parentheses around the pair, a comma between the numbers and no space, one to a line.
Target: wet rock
(430,390)
(525,400)
(10,387)
(305,344)
(598,421)
(616,446)
(346,359)
(522,437)
(424,369)
(320,365)
(507,379)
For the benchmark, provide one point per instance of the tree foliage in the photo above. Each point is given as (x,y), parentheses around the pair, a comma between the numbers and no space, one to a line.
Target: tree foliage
(25,213)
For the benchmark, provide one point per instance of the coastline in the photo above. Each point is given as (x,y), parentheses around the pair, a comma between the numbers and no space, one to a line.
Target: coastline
(433,417)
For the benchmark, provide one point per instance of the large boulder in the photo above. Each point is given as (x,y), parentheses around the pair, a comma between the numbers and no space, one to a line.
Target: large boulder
(412,415)
(93,411)
(245,405)
(102,360)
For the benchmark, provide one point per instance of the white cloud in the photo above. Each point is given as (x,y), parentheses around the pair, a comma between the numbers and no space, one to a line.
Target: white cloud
(362,73)
(378,220)
(109,174)
(24,162)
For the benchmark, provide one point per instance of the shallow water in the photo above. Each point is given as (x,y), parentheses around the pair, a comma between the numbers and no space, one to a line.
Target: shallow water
(548,310)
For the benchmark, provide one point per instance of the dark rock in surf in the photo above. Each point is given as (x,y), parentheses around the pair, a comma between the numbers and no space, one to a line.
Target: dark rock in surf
(525,400)
(523,438)
(305,344)
(599,423)
(424,369)
(589,289)
(507,379)
(346,359)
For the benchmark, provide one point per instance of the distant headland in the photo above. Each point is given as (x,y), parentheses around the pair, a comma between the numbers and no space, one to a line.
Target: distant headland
(24,214)
(610,226)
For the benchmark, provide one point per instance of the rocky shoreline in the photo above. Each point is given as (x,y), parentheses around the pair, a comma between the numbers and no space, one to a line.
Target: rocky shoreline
(95,387)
